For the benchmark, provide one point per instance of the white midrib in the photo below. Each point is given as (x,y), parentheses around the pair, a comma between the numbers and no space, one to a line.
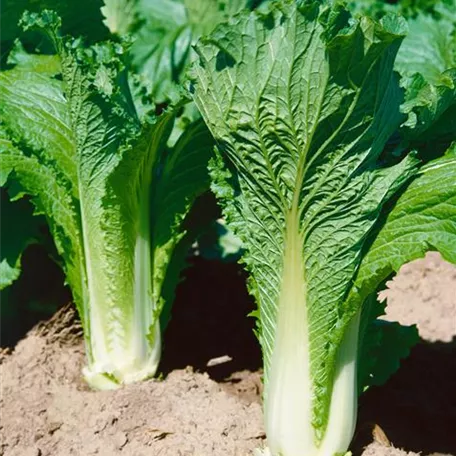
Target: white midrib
(98,344)
(105,357)
(146,356)
(143,291)
(288,402)
(289,390)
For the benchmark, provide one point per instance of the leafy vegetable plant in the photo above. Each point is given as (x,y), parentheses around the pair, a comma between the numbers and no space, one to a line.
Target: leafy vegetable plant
(114,194)
(303,101)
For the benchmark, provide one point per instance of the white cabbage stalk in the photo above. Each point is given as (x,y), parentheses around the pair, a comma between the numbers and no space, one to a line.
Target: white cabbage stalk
(288,395)
(133,354)
(288,391)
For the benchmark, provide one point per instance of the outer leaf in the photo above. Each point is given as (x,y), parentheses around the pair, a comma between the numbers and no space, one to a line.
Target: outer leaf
(19,228)
(423,219)
(184,177)
(35,115)
(202,213)
(301,102)
(52,199)
(35,111)
(382,344)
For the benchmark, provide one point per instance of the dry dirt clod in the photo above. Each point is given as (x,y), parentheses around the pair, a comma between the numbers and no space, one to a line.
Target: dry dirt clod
(64,327)
(53,427)
(120,439)
(4,353)
(378,434)
(38,436)
(30,451)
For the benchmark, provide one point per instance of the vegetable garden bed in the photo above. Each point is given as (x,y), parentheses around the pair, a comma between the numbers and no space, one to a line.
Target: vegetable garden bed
(215,411)
(300,152)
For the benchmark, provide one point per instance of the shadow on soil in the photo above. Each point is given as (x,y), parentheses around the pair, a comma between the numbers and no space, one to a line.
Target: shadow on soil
(416,409)
(209,321)
(34,297)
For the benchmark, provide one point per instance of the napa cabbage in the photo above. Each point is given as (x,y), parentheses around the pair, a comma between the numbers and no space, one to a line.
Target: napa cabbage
(115,195)
(304,104)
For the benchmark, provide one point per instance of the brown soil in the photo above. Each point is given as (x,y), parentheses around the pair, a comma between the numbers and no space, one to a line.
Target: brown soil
(213,407)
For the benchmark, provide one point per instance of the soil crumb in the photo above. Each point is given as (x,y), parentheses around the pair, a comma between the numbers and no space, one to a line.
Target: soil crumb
(47,410)
(378,449)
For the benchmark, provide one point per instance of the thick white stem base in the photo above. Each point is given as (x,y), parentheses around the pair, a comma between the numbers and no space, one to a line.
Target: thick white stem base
(289,395)
(132,368)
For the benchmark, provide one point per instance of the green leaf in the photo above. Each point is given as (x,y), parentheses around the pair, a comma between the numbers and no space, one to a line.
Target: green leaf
(120,15)
(19,229)
(43,64)
(429,48)
(184,177)
(78,18)
(51,198)
(422,219)
(430,109)
(427,63)
(34,111)
(200,216)
(35,118)
(407,8)
(382,345)
(301,101)
(162,49)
